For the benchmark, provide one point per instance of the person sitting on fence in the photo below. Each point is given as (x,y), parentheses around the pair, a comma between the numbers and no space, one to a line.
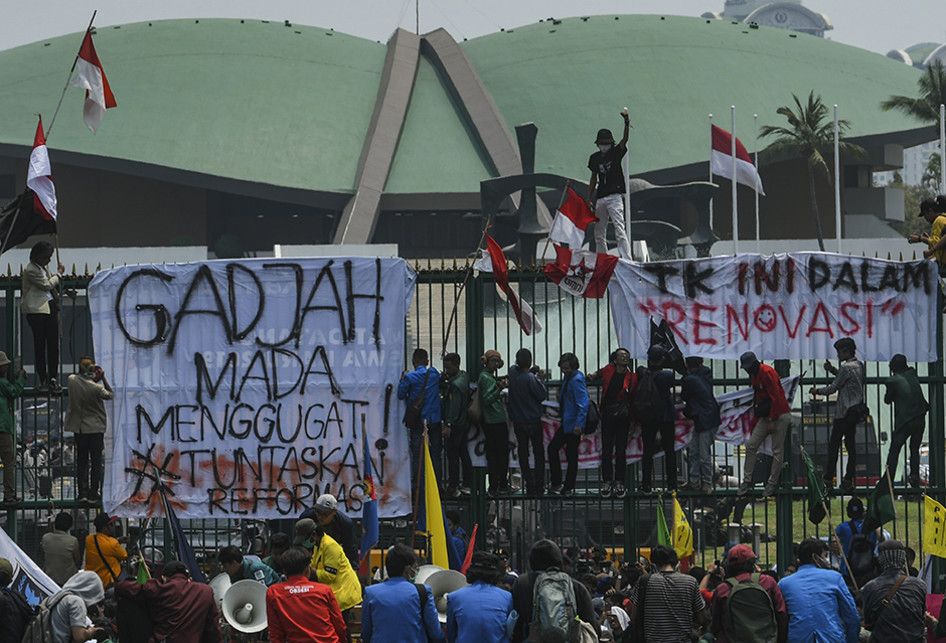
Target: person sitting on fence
(86,421)
(703,409)
(104,553)
(420,388)
(480,612)
(849,411)
(909,418)
(61,554)
(617,382)
(573,405)
(773,418)
(455,404)
(299,609)
(397,610)
(41,306)
(667,605)
(493,422)
(239,567)
(10,389)
(935,240)
(758,613)
(894,603)
(820,606)
(526,394)
(653,407)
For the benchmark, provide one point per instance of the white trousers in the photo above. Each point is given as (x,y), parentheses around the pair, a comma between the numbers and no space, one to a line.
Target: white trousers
(611,208)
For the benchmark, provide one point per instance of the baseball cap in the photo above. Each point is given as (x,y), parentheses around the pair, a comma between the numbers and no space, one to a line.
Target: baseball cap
(325,503)
(747,359)
(302,532)
(740,554)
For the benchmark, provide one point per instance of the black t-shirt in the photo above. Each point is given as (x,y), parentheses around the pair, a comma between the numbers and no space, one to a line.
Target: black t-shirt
(613,393)
(607,167)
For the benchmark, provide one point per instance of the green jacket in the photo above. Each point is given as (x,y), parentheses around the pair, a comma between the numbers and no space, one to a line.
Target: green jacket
(906,395)
(9,391)
(492,409)
(455,399)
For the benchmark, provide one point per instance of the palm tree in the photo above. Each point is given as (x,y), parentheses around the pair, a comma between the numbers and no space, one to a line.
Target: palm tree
(932,94)
(809,134)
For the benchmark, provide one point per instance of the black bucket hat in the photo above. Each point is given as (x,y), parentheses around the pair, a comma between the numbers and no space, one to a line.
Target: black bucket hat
(604,137)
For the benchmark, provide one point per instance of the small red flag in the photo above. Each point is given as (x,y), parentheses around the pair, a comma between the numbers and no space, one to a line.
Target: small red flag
(468,559)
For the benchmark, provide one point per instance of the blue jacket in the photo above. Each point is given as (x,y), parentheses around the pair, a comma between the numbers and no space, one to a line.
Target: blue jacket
(478,613)
(846,535)
(391,613)
(573,402)
(526,394)
(701,405)
(409,388)
(820,607)
(456,547)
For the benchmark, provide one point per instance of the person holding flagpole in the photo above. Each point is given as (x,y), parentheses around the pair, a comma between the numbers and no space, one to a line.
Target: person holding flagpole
(606,188)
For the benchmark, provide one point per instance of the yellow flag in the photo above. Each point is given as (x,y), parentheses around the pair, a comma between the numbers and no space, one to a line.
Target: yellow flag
(682,533)
(434,514)
(934,528)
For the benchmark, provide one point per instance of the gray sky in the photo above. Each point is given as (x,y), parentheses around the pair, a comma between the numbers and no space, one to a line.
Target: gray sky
(879,25)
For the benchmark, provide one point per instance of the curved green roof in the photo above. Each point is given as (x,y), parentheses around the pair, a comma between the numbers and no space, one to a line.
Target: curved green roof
(252,101)
(573,77)
(290,106)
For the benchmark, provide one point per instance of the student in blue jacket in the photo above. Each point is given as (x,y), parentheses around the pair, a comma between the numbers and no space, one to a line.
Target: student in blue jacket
(573,407)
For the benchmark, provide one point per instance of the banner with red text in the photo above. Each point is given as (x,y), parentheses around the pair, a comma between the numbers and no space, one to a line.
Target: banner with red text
(243,387)
(788,306)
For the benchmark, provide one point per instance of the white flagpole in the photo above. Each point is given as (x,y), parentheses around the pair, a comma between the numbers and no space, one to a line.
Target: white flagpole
(711,170)
(837,180)
(755,127)
(942,148)
(735,205)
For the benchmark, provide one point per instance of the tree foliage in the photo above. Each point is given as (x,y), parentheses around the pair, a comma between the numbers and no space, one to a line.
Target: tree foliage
(932,94)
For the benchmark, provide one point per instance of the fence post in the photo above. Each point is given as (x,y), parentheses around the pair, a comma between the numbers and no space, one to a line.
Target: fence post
(12,353)
(631,506)
(937,479)
(784,554)
(475,347)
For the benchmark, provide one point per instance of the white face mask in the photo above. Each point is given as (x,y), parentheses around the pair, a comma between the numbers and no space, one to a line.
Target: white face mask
(604,148)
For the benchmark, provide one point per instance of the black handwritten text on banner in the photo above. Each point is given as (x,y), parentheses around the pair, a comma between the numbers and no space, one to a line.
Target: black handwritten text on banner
(241,385)
(790,306)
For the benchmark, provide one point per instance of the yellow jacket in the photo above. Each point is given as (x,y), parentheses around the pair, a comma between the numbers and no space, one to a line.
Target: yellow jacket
(331,566)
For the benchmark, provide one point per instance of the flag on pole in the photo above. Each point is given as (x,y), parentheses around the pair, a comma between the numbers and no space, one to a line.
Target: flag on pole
(581,274)
(29,580)
(721,160)
(468,559)
(19,220)
(369,509)
(682,533)
(571,221)
(817,495)
(90,76)
(143,575)
(182,547)
(934,527)
(39,176)
(880,508)
(663,532)
(494,261)
(431,522)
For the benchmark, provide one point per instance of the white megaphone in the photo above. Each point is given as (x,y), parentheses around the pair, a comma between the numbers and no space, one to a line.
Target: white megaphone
(220,584)
(441,584)
(426,571)
(244,606)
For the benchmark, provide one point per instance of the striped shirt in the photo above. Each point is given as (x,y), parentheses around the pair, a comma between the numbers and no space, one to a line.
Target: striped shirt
(671,603)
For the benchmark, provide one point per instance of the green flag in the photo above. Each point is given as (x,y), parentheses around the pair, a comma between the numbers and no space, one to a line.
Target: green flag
(879,506)
(817,497)
(143,574)
(663,532)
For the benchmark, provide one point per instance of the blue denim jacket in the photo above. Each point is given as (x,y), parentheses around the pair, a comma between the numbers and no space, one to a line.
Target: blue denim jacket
(409,388)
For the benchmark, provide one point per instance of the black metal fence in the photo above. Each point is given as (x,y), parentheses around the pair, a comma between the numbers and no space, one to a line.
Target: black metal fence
(591,525)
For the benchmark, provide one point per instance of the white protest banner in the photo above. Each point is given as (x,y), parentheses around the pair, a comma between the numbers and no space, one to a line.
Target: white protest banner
(241,385)
(735,410)
(29,580)
(789,306)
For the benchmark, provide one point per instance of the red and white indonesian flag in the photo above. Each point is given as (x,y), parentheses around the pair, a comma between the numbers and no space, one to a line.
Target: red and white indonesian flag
(494,261)
(90,76)
(582,274)
(572,219)
(39,176)
(721,160)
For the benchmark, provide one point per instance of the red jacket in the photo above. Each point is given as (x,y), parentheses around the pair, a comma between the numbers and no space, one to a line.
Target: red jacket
(630,382)
(768,385)
(181,610)
(299,611)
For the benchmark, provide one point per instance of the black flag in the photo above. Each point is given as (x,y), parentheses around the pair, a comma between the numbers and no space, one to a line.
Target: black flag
(20,221)
(662,335)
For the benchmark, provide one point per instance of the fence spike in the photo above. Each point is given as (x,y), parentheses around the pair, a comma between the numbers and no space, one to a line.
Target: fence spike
(9,270)
(86,269)
(914,255)
(73,269)
(98,267)
(901,255)
(888,256)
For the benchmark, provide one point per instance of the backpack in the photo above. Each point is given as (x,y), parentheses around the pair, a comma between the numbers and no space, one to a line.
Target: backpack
(22,614)
(40,629)
(645,404)
(862,564)
(750,616)
(553,606)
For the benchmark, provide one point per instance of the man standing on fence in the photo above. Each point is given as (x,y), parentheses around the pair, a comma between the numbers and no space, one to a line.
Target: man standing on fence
(909,418)
(88,391)
(773,417)
(703,409)
(455,404)
(493,421)
(526,394)
(653,407)
(617,382)
(573,405)
(606,188)
(421,389)
(849,411)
